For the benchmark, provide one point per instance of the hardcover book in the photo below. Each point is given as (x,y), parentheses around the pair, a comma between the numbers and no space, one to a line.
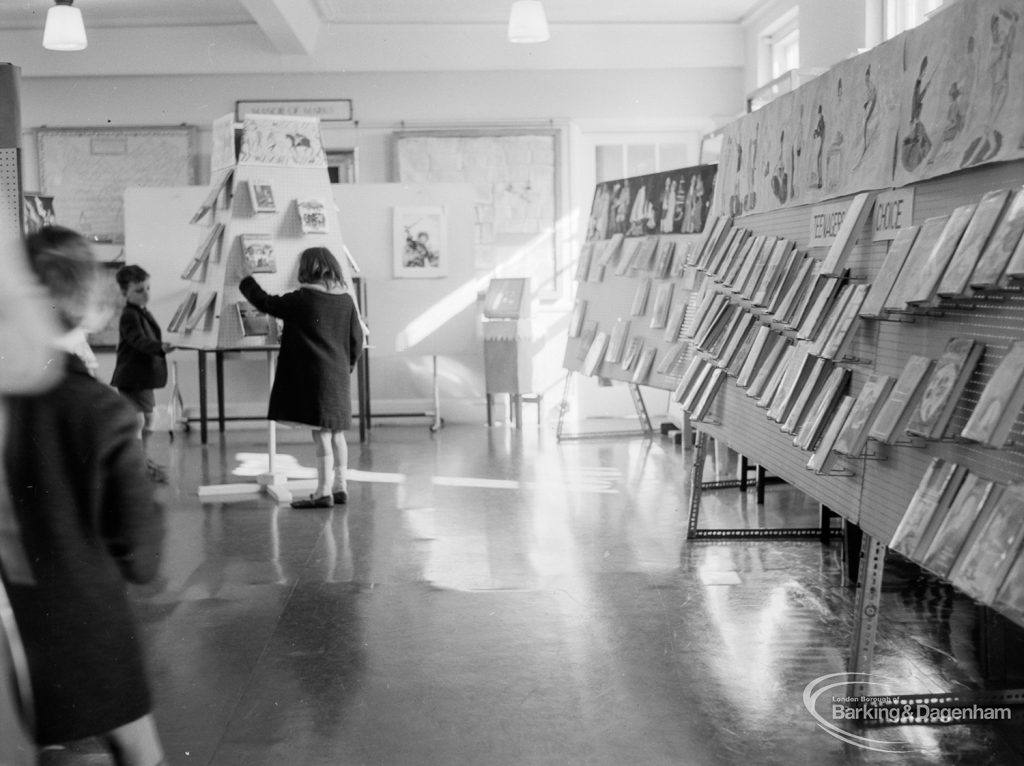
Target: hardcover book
(252,321)
(828,324)
(688,378)
(674,323)
(738,357)
(736,242)
(708,394)
(595,354)
(1010,596)
(662,303)
(587,335)
(776,357)
(806,276)
(579,311)
(743,262)
(981,567)
(997,252)
(823,459)
(583,264)
(818,310)
(183,311)
(780,386)
(840,336)
(643,258)
(689,397)
(792,272)
(261,196)
(744,327)
(891,422)
(258,251)
(965,508)
(710,238)
(955,281)
(643,290)
(778,262)
(823,409)
(312,215)
(672,360)
(1000,402)
(216,188)
(855,433)
(632,352)
(663,258)
(718,340)
(945,385)
(805,394)
(643,367)
(887,275)
(846,237)
(750,280)
(203,308)
(763,341)
(803,303)
(924,287)
(940,483)
(617,343)
(928,237)
(609,250)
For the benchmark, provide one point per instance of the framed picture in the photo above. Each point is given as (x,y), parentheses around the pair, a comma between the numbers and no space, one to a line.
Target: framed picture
(37,211)
(420,243)
(111,301)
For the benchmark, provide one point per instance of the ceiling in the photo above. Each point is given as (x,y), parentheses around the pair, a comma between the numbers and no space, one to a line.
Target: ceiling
(98,14)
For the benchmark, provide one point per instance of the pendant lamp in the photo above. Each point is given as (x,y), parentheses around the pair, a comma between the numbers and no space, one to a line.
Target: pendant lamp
(64,30)
(527,22)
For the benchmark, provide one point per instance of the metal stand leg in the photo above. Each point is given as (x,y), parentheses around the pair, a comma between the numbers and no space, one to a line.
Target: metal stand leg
(218,362)
(202,396)
(696,484)
(869,596)
(438,420)
(641,408)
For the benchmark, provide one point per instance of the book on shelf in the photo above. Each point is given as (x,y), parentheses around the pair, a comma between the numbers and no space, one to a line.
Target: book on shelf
(818,310)
(627,255)
(803,304)
(640,296)
(632,352)
(749,281)
(182,312)
(689,397)
(583,264)
(681,256)
(822,409)
(881,285)
(617,342)
(853,222)
(775,270)
(742,261)
(954,282)
(927,238)
(312,215)
(705,301)
(720,323)
(778,395)
(195,271)
(686,380)
(898,407)
(506,298)
(579,311)
(981,567)
(663,258)
(252,321)
(945,385)
(806,276)
(1014,271)
(203,308)
(738,357)
(996,255)
(805,394)
(865,409)
(662,303)
(609,249)
(954,527)
(715,253)
(745,327)
(776,356)
(832,315)
(258,251)
(196,268)
(734,245)
(941,481)
(759,349)
(674,323)
(709,238)
(643,366)
(587,333)
(595,272)
(261,196)
(923,289)
(1010,595)
(643,258)
(672,360)
(209,202)
(709,313)
(1000,402)
(720,336)
(708,394)
(595,354)
(824,459)
(840,336)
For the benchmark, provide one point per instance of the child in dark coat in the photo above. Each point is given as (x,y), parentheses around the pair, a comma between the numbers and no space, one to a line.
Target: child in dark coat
(86,521)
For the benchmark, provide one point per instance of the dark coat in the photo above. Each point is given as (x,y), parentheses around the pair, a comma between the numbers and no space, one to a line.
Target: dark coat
(89,522)
(321,341)
(141,361)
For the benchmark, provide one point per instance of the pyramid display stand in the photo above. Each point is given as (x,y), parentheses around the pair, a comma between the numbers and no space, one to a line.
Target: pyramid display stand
(269,206)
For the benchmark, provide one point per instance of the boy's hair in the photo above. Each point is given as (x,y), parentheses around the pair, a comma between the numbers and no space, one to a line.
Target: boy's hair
(127,275)
(318,265)
(64,263)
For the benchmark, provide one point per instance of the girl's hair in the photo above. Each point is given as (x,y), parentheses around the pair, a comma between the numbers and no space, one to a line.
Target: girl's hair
(131,274)
(318,265)
(65,265)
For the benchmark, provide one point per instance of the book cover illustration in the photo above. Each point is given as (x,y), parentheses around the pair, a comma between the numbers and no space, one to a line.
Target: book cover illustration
(618,341)
(595,354)
(258,251)
(944,387)
(643,367)
(964,509)
(898,407)
(887,275)
(824,459)
(312,215)
(1000,402)
(854,435)
(927,238)
(662,303)
(261,196)
(1001,245)
(981,567)
(940,482)
(923,290)
(955,281)
(853,222)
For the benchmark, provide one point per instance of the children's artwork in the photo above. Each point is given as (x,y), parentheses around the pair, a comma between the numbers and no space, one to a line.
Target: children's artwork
(258,251)
(284,141)
(313,216)
(420,242)
(261,196)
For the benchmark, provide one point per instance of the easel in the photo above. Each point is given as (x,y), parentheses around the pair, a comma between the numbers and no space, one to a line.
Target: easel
(638,403)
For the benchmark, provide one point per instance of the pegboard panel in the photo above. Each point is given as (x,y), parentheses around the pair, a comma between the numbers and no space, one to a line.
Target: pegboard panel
(10,194)
(877,495)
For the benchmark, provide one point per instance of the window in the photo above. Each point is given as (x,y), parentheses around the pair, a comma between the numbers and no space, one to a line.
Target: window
(784,51)
(900,15)
(614,160)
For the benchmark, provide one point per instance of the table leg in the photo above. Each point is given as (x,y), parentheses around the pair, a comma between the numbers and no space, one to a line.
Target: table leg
(219,366)
(202,396)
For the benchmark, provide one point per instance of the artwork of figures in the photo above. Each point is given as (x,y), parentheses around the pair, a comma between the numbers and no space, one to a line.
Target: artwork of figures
(420,242)
(670,202)
(288,141)
(945,93)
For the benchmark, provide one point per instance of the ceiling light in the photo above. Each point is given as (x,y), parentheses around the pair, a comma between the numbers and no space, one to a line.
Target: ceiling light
(64,30)
(527,22)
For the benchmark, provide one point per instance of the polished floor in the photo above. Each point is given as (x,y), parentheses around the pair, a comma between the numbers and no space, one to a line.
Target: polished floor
(492,597)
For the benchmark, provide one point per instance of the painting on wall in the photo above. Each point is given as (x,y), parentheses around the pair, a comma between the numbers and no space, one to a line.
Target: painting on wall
(282,141)
(420,242)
